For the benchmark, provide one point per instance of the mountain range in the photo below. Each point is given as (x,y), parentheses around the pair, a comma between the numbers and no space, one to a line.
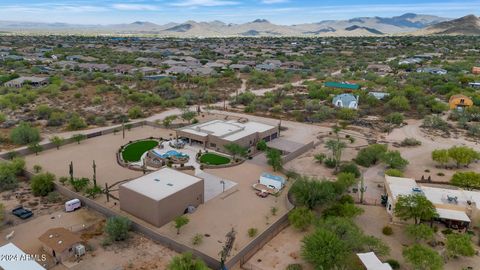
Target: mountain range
(409,23)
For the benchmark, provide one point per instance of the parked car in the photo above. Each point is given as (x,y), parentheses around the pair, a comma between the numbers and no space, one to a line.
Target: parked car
(22,212)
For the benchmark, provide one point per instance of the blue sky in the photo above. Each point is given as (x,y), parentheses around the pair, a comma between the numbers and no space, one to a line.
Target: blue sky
(230,11)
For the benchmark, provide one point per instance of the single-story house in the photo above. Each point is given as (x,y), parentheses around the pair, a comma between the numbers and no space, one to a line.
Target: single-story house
(60,243)
(436,71)
(346,101)
(410,61)
(459,102)
(455,207)
(160,196)
(217,133)
(32,81)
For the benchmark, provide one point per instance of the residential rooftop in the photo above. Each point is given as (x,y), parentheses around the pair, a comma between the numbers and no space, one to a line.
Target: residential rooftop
(162,183)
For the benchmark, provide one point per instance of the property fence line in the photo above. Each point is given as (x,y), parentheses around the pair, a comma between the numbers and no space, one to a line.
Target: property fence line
(298,152)
(156,237)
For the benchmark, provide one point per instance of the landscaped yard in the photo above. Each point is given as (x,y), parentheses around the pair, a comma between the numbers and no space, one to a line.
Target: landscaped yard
(133,152)
(214,159)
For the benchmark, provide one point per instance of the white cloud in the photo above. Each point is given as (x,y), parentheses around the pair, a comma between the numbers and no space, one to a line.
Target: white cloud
(134,7)
(204,3)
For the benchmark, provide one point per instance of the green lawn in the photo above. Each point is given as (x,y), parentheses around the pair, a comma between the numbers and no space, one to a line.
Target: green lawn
(133,152)
(214,159)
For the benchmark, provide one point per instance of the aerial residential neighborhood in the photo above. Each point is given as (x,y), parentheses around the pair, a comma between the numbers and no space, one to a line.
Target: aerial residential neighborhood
(322,137)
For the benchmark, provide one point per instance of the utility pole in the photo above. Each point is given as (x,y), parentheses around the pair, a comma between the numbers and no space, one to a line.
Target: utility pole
(107,192)
(123,129)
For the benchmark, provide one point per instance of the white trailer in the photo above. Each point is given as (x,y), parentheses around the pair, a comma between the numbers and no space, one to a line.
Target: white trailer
(272,181)
(72,205)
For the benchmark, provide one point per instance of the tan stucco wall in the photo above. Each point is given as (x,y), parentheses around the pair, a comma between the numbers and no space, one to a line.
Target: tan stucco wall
(161,212)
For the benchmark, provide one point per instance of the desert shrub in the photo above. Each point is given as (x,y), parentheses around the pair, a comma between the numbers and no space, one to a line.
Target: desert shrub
(197,239)
(395,118)
(42,184)
(350,168)
(387,230)
(252,232)
(393,263)
(330,163)
(410,142)
(24,134)
(370,155)
(394,172)
(117,228)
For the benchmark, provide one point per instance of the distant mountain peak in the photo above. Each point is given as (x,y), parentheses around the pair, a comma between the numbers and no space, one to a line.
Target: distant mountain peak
(261,21)
(467,25)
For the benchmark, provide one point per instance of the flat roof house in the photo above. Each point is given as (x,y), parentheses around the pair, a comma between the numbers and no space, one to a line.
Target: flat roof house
(161,196)
(217,133)
(32,81)
(455,207)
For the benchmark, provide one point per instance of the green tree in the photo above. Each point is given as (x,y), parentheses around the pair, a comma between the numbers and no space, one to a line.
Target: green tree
(301,218)
(423,258)
(24,134)
(459,245)
(420,232)
(188,116)
(186,261)
(463,155)
(180,221)
(42,184)
(467,180)
(441,156)
(78,137)
(370,155)
(416,207)
(167,121)
(35,148)
(262,145)
(117,228)
(57,141)
(312,192)
(235,150)
(274,159)
(9,172)
(324,249)
(398,103)
(394,160)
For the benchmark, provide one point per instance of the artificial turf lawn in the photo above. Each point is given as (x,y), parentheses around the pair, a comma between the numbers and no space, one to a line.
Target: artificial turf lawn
(133,152)
(214,159)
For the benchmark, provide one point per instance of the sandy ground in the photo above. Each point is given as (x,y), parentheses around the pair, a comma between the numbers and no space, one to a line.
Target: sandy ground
(282,250)
(102,149)
(239,208)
